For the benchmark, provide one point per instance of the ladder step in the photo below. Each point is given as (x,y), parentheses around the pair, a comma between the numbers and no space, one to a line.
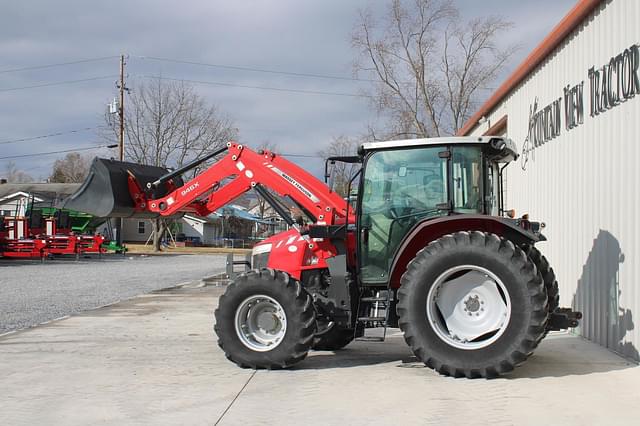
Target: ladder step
(374,299)
(378,286)
(369,339)
(371,319)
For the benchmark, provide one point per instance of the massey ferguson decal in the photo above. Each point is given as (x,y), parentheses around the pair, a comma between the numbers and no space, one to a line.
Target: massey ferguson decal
(295,183)
(189,189)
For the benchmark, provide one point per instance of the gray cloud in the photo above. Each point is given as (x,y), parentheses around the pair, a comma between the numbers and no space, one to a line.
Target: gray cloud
(308,37)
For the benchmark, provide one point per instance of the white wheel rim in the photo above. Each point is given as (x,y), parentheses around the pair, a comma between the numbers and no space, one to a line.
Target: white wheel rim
(261,323)
(468,307)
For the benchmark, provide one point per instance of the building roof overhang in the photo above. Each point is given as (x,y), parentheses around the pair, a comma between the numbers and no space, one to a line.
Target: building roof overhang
(18,195)
(573,19)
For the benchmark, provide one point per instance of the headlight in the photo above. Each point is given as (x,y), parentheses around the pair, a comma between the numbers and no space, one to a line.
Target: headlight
(261,248)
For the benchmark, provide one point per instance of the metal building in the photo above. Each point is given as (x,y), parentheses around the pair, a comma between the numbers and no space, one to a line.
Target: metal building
(573,108)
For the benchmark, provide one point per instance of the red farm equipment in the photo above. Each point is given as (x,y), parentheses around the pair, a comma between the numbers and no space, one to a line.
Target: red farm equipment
(38,237)
(17,242)
(428,248)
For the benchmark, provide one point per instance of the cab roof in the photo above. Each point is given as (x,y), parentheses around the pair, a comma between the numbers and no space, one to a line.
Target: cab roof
(511,151)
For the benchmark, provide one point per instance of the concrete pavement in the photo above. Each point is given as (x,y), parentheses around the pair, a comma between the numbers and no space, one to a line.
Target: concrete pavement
(154,360)
(34,292)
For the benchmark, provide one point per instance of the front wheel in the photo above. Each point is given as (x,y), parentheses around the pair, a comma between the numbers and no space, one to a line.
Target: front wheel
(472,304)
(265,319)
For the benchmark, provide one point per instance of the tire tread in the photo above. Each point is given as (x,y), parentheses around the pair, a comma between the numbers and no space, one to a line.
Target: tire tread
(529,275)
(303,311)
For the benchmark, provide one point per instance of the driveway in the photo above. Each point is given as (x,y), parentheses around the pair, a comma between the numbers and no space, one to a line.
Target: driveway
(154,360)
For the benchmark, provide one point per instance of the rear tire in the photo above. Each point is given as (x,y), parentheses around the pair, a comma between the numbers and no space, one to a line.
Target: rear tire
(484,267)
(265,319)
(550,283)
(548,276)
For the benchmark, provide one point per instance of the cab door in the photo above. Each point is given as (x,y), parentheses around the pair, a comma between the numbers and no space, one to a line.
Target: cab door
(399,188)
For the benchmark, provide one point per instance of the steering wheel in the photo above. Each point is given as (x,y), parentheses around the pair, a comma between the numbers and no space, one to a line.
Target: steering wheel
(390,210)
(401,208)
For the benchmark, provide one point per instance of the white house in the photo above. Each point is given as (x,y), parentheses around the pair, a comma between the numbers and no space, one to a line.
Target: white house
(16,204)
(15,197)
(205,229)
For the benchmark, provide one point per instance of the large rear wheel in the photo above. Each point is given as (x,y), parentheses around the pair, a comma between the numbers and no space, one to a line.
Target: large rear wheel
(472,304)
(548,276)
(265,319)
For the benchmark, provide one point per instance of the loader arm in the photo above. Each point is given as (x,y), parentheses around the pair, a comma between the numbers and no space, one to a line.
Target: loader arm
(240,170)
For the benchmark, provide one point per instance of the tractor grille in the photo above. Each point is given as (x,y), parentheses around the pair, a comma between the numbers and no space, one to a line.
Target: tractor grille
(260,260)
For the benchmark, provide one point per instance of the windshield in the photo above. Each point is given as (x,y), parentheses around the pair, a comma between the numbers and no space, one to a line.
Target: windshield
(400,187)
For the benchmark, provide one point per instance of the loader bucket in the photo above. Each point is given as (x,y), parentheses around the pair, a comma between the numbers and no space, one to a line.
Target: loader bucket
(105,191)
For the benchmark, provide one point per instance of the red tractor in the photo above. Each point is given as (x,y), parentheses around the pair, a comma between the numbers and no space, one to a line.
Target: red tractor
(427,248)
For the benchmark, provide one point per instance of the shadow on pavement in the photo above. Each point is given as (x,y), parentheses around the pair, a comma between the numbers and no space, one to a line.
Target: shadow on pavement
(559,355)
(359,354)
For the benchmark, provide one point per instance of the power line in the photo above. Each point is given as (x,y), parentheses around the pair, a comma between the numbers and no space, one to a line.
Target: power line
(300,155)
(58,83)
(38,67)
(57,152)
(50,135)
(259,70)
(276,89)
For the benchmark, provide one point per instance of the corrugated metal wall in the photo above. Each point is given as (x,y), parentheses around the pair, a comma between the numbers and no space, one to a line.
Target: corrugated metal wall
(585,183)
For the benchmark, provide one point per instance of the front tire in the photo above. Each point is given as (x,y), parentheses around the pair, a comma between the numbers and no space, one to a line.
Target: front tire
(472,304)
(265,319)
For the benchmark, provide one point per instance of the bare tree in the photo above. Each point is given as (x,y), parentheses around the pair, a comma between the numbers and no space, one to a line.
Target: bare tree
(341,172)
(73,168)
(430,67)
(14,175)
(168,124)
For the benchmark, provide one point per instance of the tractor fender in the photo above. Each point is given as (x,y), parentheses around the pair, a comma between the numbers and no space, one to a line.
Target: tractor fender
(431,229)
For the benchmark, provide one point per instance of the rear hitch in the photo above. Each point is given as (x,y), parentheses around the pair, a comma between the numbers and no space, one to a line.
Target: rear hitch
(564,318)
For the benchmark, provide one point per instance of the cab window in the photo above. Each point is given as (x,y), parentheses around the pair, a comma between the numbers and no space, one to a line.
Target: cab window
(467,179)
(400,187)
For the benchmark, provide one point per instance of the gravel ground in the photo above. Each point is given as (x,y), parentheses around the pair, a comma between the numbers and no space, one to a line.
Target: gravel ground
(32,293)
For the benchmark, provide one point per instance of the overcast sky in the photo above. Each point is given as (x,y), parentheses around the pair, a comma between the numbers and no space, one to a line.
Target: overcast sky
(284,35)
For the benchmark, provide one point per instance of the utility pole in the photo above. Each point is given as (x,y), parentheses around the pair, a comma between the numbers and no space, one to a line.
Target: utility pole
(121,108)
(122,88)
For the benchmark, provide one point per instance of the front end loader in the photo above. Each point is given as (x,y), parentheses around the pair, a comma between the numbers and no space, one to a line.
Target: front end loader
(427,247)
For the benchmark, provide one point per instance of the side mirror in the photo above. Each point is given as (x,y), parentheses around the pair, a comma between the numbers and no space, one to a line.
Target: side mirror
(402,171)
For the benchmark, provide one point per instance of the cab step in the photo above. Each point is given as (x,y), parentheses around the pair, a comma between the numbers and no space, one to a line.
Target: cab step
(382,299)
(372,319)
(370,339)
(374,313)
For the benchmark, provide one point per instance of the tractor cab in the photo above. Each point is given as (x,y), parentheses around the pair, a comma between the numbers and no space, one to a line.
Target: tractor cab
(409,181)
